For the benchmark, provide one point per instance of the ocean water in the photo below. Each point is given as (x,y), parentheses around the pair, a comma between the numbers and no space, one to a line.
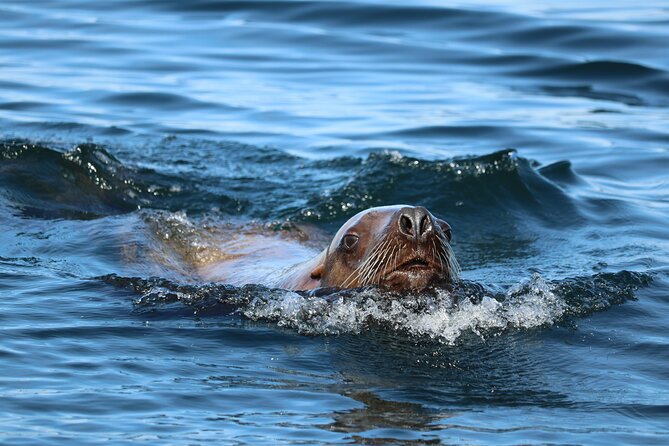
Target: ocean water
(135,135)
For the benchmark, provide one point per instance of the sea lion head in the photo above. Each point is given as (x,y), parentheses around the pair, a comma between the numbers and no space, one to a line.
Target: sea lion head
(395,247)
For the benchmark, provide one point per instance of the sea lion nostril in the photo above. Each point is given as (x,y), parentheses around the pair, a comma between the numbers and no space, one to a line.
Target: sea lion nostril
(415,222)
(406,225)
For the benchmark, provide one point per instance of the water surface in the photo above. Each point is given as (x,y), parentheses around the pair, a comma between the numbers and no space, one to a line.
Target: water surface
(132,134)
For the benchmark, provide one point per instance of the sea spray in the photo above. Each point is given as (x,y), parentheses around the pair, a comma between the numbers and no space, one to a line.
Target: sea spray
(441,315)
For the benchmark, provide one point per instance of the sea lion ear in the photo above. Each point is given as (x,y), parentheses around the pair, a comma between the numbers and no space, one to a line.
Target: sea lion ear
(317,272)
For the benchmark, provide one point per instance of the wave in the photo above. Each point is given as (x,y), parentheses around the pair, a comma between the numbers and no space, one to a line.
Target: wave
(89,182)
(611,80)
(343,14)
(439,315)
(472,191)
(602,69)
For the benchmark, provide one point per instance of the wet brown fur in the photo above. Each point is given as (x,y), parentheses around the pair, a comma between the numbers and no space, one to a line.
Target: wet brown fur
(382,255)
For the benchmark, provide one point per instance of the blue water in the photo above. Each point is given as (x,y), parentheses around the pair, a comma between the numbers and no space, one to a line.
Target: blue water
(135,134)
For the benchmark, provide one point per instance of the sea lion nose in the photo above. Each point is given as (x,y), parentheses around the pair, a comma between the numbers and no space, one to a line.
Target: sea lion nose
(415,222)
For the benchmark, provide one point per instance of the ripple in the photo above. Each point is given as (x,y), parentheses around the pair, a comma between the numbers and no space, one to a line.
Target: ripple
(23,105)
(610,70)
(587,91)
(157,100)
(470,131)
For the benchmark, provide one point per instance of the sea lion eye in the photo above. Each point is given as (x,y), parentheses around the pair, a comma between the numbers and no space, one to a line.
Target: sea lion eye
(349,241)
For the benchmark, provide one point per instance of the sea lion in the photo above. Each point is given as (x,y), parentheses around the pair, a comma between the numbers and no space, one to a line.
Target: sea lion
(398,248)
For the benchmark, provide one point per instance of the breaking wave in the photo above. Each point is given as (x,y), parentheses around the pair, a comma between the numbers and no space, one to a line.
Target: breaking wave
(441,315)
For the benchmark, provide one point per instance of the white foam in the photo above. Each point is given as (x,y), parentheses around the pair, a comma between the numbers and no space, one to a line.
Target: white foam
(437,317)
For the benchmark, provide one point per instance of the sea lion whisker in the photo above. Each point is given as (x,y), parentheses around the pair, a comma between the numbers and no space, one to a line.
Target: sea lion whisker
(446,256)
(384,267)
(393,256)
(451,261)
(350,277)
(433,251)
(365,272)
(438,253)
(436,256)
(362,269)
(374,267)
(454,265)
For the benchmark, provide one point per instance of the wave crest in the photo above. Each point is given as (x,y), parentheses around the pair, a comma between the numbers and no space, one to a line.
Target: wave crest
(88,182)
(440,315)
